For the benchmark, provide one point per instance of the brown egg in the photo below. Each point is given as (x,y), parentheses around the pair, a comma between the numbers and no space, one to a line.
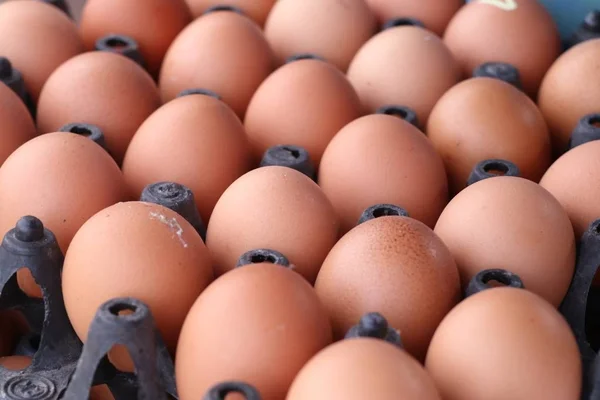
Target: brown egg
(62,179)
(101,392)
(571,90)
(393,265)
(36,38)
(194,140)
(531,236)
(133,18)
(486,118)
(364,368)
(16,124)
(232,66)
(259,324)
(573,180)
(404,65)
(383,159)
(331,29)
(518,32)
(15,363)
(140,250)
(304,103)
(258,10)
(434,14)
(505,343)
(275,208)
(100,88)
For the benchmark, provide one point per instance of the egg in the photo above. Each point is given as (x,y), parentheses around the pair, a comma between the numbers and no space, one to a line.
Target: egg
(393,265)
(364,368)
(303,103)
(140,250)
(36,38)
(100,88)
(483,118)
(275,208)
(383,159)
(15,363)
(505,342)
(258,10)
(571,90)
(332,29)
(62,179)
(405,65)
(259,324)
(518,32)
(195,140)
(132,18)
(222,51)
(435,14)
(16,124)
(572,181)
(531,236)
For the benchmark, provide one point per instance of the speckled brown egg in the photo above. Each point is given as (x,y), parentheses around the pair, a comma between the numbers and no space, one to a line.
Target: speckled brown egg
(531,235)
(363,368)
(275,208)
(434,14)
(222,51)
(393,265)
(571,90)
(16,124)
(505,342)
(404,65)
(194,140)
(258,10)
(140,250)
(100,88)
(62,179)
(36,38)
(331,29)
(573,180)
(153,24)
(259,323)
(383,159)
(303,103)
(518,32)
(485,118)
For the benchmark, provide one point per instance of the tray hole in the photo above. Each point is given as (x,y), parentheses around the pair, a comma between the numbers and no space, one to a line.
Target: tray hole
(261,258)
(497,169)
(122,309)
(13,326)
(27,283)
(117,43)
(295,153)
(595,121)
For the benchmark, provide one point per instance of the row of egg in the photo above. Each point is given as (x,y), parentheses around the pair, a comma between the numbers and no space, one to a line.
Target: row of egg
(121,249)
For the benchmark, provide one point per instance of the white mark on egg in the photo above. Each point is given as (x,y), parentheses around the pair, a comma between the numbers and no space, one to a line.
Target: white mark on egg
(173,225)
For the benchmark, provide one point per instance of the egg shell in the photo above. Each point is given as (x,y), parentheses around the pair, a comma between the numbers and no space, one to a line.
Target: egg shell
(222,51)
(362,368)
(36,38)
(518,32)
(195,140)
(100,88)
(133,18)
(405,65)
(571,90)
(16,124)
(332,29)
(258,10)
(393,265)
(62,179)
(487,344)
(275,208)
(573,181)
(304,103)
(486,118)
(258,324)
(141,250)
(383,159)
(434,14)
(514,224)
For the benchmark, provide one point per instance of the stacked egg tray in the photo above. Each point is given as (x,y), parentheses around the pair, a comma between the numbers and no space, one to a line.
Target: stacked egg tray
(64,368)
